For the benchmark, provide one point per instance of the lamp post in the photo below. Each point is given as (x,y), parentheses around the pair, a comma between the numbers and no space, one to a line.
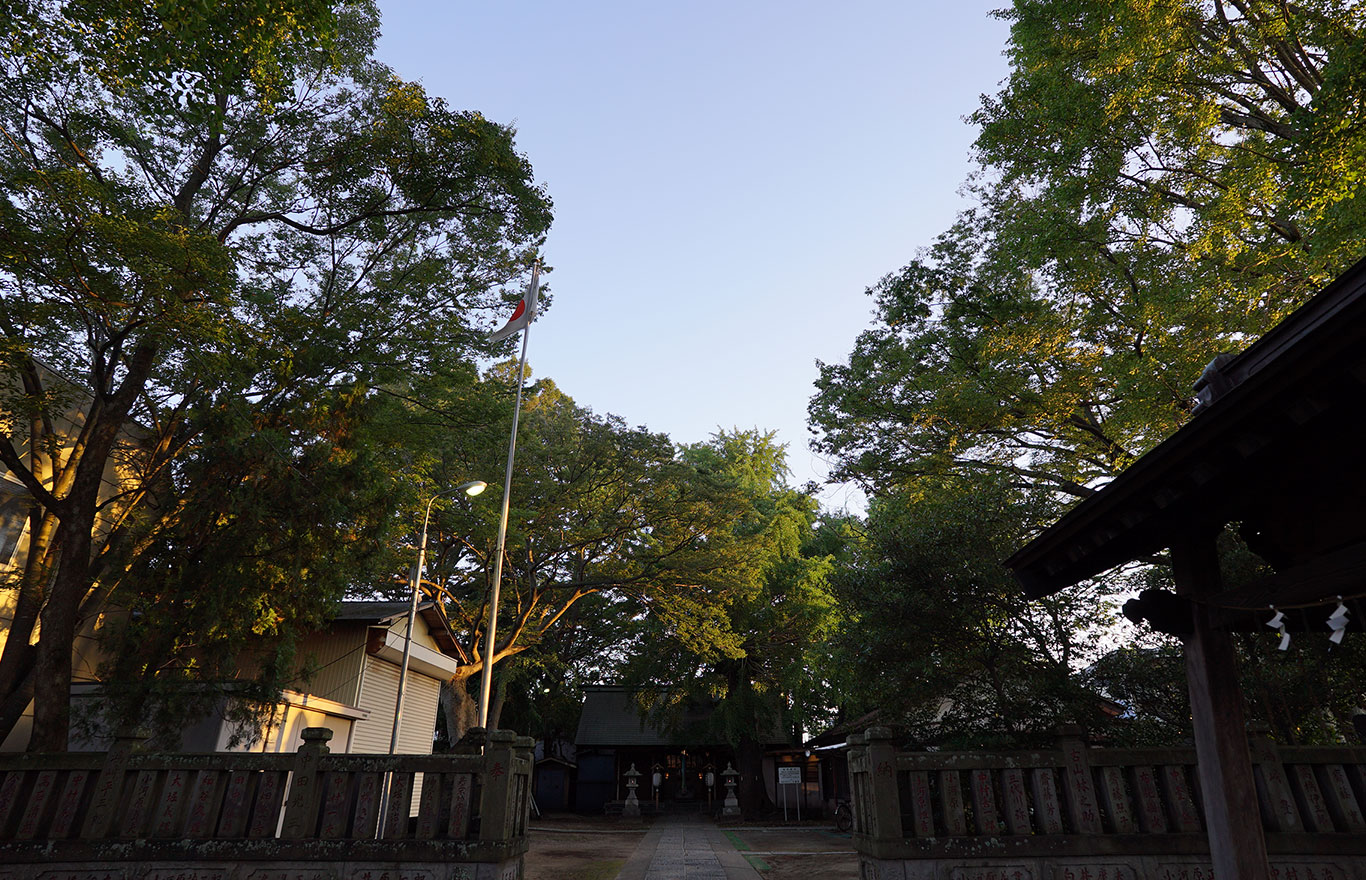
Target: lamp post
(472,488)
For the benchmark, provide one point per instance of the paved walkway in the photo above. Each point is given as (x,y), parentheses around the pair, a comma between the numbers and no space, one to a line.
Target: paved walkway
(686,848)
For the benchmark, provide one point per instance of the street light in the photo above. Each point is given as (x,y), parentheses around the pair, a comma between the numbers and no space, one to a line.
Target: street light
(472,488)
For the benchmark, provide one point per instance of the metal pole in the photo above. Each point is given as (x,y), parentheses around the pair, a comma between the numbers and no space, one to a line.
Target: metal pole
(491,633)
(412,621)
(407,652)
(472,487)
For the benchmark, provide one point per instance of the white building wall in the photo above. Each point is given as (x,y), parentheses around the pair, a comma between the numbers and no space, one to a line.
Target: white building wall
(379,691)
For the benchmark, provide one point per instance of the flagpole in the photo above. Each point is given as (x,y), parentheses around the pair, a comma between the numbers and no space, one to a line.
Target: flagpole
(491,633)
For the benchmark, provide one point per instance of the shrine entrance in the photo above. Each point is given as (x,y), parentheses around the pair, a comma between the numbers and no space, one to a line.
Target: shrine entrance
(684,778)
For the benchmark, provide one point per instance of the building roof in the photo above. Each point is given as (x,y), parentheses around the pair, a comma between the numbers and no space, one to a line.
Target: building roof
(611,717)
(385,613)
(370,612)
(839,734)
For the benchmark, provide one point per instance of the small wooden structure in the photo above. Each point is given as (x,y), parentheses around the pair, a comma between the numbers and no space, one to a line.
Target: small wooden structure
(1275,446)
(1076,812)
(554,784)
(310,815)
(612,735)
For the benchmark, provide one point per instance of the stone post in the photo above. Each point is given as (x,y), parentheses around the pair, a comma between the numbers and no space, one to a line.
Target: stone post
(104,805)
(884,813)
(496,806)
(301,813)
(1277,800)
(1082,806)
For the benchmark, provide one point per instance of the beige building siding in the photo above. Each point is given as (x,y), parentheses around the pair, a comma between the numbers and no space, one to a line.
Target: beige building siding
(378,695)
(285,734)
(336,657)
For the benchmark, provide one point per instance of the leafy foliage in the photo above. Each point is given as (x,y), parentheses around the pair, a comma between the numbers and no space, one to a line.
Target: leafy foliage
(209,604)
(1159,183)
(941,639)
(603,517)
(1162,182)
(758,669)
(216,217)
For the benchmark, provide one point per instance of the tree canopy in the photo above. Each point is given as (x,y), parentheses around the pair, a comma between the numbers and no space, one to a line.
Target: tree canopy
(940,639)
(216,217)
(1158,184)
(602,515)
(757,670)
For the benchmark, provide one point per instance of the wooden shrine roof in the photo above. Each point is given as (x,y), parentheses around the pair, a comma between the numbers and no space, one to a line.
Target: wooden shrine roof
(1276,446)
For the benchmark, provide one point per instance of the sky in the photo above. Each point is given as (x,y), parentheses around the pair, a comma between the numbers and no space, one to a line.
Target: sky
(728,178)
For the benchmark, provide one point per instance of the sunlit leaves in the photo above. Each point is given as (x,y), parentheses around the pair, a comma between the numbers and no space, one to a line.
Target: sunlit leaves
(229,209)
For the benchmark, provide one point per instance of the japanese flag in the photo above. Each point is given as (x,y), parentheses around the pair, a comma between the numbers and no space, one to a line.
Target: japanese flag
(526,309)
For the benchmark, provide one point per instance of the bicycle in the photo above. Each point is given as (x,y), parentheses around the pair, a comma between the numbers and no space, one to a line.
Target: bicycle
(844,815)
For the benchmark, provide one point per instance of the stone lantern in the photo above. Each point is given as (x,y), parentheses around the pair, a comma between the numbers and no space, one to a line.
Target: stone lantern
(731,807)
(632,807)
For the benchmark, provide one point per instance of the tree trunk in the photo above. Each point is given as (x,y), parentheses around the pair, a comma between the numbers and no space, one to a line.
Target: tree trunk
(458,707)
(500,694)
(57,635)
(19,654)
(72,543)
(749,755)
(14,702)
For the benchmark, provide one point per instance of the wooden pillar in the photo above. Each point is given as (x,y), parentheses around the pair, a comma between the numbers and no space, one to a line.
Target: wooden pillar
(1233,820)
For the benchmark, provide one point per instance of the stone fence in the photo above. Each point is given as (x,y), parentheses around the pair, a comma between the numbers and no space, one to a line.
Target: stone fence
(311,815)
(1081,813)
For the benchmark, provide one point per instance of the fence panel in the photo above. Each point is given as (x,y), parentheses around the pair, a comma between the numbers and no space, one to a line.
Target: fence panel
(130,807)
(1121,811)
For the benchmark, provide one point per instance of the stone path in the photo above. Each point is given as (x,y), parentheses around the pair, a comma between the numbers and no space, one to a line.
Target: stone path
(686,848)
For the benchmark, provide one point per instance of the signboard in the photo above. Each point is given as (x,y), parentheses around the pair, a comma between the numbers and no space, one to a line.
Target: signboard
(789,776)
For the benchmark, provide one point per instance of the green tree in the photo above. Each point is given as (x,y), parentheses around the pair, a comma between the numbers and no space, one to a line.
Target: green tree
(540,691)
(208,210)
(773,612)
(1306,695)
(1160,183)
(207,607)
(600,513)
(939,636)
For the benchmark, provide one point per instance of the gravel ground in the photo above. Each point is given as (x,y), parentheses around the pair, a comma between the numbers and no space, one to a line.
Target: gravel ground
(568,847)
(797,852)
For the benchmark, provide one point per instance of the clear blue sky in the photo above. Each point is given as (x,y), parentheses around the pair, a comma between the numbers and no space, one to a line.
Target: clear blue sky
(728,179)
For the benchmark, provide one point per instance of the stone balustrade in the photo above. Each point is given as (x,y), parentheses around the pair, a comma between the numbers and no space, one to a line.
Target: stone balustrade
(1082,813)
(311,815)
